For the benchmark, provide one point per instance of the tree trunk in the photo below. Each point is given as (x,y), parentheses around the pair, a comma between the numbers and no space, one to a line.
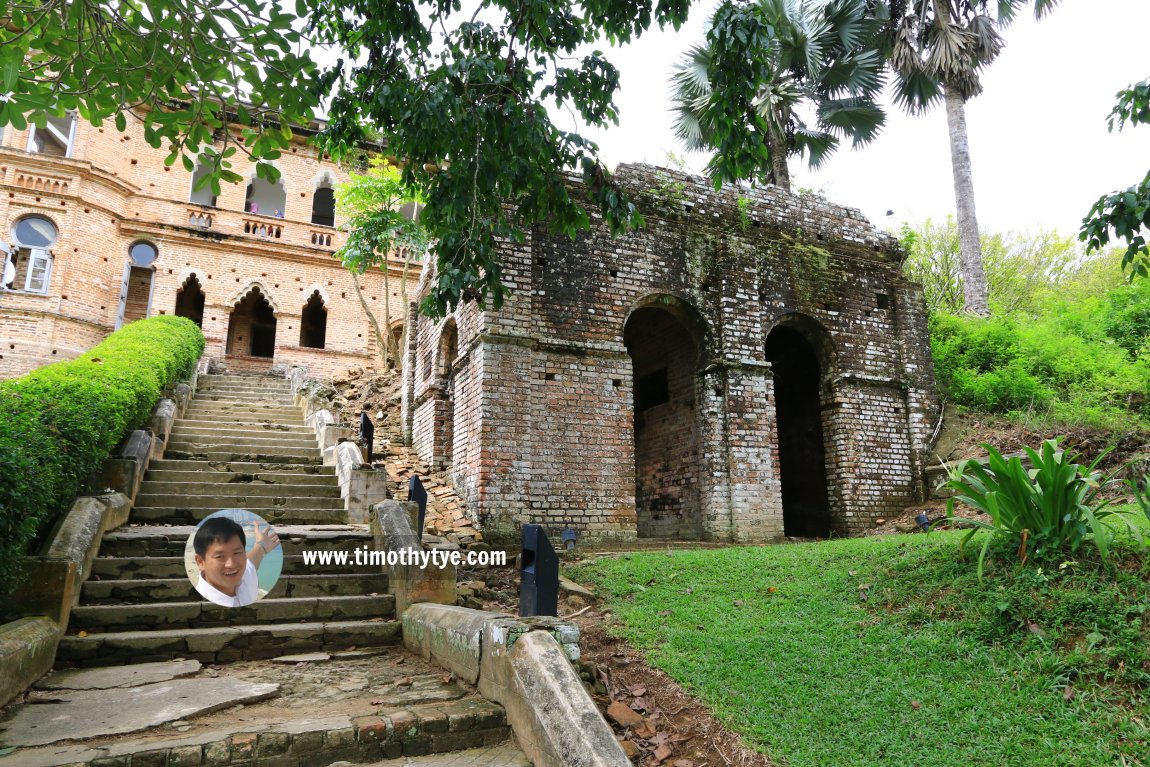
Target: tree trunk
(380,343)
(970,246)
(778,149)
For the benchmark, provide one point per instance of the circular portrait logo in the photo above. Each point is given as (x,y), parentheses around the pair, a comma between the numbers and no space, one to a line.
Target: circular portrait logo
(233,558)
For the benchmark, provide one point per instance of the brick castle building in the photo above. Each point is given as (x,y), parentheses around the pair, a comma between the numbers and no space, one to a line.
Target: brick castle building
(99,232)
(750,365)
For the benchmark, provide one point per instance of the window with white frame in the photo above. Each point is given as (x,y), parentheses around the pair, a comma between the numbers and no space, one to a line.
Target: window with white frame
(29,265)
(55,139)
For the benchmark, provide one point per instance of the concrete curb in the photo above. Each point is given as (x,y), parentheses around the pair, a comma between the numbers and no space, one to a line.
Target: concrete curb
(393,530)
(27,652)
(524,664)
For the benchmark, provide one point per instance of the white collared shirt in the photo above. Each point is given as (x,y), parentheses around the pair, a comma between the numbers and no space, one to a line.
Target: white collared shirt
(246,593)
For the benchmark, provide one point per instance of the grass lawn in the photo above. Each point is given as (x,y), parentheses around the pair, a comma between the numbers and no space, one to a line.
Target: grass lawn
(889,651)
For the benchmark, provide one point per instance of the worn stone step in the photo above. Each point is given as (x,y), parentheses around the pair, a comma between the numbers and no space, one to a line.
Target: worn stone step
(251,424)
(181,590)
(276,516)
(224,644)
(242,433)
(286,415)
(225,468)
(256,386)
(467,732)
(295,486)
(239,498)
(171,540)
(281,398)
(187,452)
(252,442)
(107,568)
(204,614)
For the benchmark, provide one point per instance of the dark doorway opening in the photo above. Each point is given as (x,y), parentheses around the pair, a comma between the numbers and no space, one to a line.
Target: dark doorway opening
(798,418)
(445,417)
(252,327)
(664,358)
(313,323)
(190,301)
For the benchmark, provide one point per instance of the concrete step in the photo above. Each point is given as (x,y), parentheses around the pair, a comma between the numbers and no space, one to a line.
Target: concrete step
(204,614)
(277,516)
(241,499)
(228,468)
(170,540)
(224,644)
(242,433)
(249,425)
(138,568)
(296,486)
(188,452)
(180,589)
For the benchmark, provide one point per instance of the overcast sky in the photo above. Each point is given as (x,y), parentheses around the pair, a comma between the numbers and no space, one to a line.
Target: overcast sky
(1038,138)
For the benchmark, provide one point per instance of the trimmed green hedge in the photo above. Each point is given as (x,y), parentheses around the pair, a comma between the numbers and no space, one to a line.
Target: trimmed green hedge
(59,423)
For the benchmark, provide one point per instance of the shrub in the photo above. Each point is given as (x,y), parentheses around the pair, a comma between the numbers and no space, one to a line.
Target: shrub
(1063,364)
(1050,509)
(58,423)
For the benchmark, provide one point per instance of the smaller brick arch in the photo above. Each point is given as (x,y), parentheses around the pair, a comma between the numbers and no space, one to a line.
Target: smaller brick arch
(263,289)
(815,334)
(682,310)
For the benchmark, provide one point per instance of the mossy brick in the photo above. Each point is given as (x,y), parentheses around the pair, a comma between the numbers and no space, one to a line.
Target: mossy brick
(185,756)
(154,758)
(272,744)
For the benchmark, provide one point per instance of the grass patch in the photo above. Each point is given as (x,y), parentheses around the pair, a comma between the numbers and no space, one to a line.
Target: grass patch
(934,668)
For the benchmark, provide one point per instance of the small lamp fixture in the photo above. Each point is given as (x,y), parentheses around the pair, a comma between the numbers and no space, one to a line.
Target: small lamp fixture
(923,522)
(568,538)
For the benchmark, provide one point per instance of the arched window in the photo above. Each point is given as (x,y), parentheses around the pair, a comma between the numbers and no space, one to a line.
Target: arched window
(29,265)
(201,195)
(265,198)
(190,300)
(323,205)
(313,323)
(136,294)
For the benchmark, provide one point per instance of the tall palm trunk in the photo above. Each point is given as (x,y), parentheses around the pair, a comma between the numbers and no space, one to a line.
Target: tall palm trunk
(778,150)
(970,247)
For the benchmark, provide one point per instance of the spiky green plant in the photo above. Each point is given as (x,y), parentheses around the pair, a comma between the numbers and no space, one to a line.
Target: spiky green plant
(1055,506)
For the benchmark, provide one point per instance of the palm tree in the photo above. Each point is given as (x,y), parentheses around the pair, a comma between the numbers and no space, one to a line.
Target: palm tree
(938,49)
(822,73)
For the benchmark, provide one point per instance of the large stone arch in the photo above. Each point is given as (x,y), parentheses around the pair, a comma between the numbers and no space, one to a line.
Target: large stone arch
(802,356)
(666,339)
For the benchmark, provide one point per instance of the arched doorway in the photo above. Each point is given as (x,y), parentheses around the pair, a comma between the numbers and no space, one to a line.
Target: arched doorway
(252,326)
(664,356)
(190,300)
(445,420)
(799,433)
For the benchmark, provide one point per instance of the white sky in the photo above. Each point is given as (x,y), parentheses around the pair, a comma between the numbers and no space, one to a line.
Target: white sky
(1039,145)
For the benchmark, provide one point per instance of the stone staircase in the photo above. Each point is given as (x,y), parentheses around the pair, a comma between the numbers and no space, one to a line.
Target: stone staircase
(244,445)
(150,673)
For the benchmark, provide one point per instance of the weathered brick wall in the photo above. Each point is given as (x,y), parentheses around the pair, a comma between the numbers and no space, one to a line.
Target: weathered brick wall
(116,190)
(545,429)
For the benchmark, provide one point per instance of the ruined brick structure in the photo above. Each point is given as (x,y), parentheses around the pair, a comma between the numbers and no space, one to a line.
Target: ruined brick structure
(103,233)
(749,365)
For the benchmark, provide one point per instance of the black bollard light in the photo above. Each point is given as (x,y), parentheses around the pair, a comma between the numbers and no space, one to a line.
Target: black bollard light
(538,574)
(417,493)
(367,433)
(923,522)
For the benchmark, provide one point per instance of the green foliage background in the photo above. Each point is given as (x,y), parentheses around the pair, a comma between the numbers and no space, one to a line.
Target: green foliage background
(1068,340)
(58,423)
